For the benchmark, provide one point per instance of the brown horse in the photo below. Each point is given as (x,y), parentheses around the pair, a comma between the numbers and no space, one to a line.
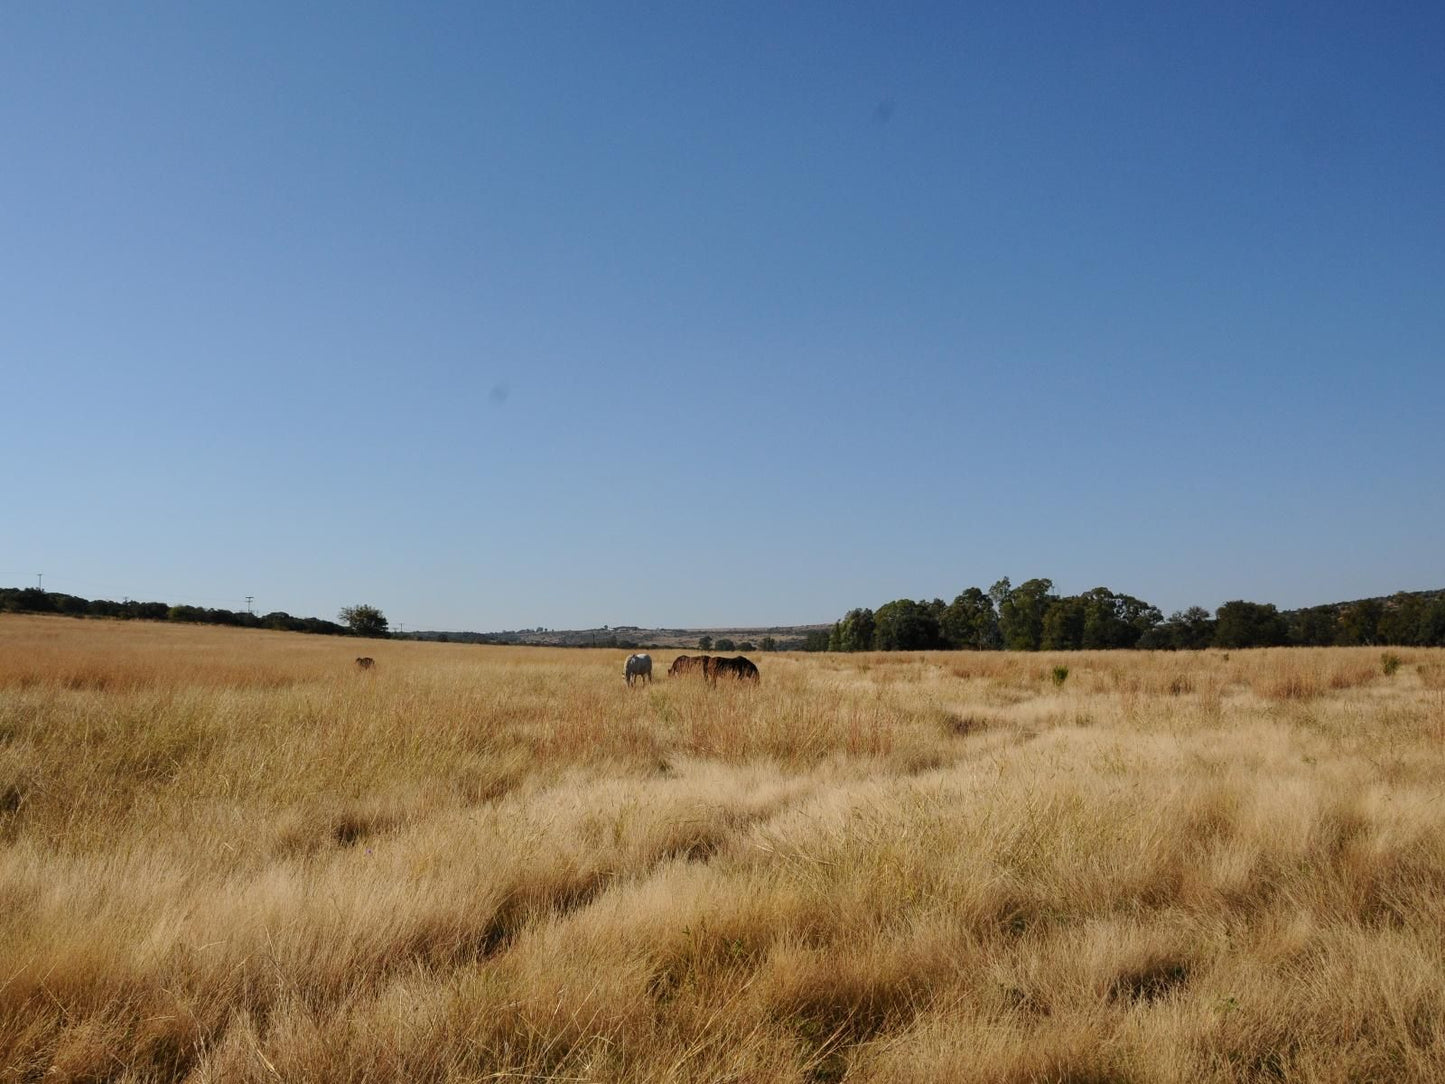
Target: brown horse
(711,667)
(685,664)
(740,668)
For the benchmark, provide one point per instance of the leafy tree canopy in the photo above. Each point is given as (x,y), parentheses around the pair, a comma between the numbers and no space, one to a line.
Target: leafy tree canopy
(364,620)
(1249,624)
(905,625)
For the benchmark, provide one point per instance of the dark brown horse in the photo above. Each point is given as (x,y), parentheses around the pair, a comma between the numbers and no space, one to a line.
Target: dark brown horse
(711,667)
(740,668)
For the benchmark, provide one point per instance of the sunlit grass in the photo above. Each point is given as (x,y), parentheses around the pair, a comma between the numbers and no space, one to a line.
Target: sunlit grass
(230,855)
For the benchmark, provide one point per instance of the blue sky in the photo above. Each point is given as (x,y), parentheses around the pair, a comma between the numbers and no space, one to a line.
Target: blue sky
(503,315)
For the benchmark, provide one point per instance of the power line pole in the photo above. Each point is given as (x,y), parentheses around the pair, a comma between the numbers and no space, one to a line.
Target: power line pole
(40,581)
(248,603)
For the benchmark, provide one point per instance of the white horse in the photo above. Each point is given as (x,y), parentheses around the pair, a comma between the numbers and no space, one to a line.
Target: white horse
(639,666)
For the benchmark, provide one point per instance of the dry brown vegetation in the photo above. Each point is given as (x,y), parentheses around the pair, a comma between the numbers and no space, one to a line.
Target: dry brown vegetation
(233,856)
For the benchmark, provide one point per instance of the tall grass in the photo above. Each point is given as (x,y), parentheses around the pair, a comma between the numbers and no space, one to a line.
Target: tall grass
(229,855)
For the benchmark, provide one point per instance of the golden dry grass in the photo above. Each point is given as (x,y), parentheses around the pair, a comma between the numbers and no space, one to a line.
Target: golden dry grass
(231,856)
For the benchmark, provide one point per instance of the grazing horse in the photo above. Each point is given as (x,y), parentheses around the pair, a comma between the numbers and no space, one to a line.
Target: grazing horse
(711,667)
(742,668)
(365,663)
(638,666)
(685,664)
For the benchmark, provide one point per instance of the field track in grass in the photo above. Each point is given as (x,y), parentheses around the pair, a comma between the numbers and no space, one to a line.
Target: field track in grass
(230,855)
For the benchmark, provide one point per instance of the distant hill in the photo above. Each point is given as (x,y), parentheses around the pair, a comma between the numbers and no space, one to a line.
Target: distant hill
(1396,599)
(782,637)
(1402,618)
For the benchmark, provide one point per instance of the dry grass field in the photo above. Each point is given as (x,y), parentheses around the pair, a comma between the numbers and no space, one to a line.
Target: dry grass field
(231,856)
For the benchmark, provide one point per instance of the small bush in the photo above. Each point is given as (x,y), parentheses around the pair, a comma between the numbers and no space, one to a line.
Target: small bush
(1389,662)
(1060,675)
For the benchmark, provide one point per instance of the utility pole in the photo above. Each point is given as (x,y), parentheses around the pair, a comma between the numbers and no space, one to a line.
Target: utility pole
(40,581)
(248,602)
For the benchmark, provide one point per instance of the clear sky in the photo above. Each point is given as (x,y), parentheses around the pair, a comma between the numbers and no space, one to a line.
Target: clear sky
(500,315)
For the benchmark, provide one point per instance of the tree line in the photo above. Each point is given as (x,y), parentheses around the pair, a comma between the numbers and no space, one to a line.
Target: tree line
(1029,617)
(1032,617)
(361,620)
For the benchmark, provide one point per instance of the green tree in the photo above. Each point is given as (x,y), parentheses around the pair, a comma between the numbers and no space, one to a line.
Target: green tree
(364,620)
(1063,627)
(1249,624)
(970,623)
(1021,612)
(854,632)
(817,640)
(1359,623)
(34,600)
(1402,620)
(1316,626)
(1114,621)
(726,644)
(704,643)
(1189,630)
(70,604)
(1432,624)
(904,625)
(770,643)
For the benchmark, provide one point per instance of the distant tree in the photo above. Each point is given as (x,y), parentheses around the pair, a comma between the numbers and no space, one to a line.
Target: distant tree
(970,623)
(1316,626)
(1249,624)
(1063,626)
(770,644)
(1114,621)
(1401,621)
(1187,630)
(364,620)
(854,632)
(1359,623)
(1431,630)
(69,604)
(935,611)
(904,625)
(705,643)
(999,592)
(1021,612)
(34,600)
(816,640)
(747,645)
(725,644)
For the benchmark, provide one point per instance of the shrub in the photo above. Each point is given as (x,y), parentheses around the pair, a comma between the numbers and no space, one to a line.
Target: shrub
(1060,675)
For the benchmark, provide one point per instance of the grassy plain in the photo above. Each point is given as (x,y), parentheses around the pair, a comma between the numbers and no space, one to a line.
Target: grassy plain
(229,855)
